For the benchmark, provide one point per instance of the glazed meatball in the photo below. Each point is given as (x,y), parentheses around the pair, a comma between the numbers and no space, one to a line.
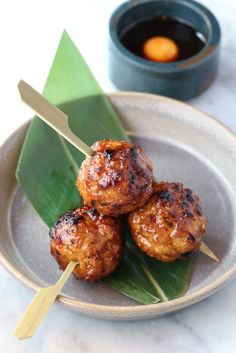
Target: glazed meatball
(116,179)
(93,240)
(170,225)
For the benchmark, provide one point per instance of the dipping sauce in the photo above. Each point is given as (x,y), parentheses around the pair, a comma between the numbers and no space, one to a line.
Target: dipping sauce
(186,41)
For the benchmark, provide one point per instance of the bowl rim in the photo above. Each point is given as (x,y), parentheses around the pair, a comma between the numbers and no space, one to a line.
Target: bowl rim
(133,311)
(211,46)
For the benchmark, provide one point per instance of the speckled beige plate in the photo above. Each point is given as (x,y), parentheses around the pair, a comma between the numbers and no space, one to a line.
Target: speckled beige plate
(185,145)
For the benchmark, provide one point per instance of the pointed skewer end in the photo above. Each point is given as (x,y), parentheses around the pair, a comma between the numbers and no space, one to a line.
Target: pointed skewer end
(208,252)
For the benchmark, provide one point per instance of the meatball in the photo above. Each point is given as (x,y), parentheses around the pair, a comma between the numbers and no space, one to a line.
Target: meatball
(116,179)
(170,225)
(93,240)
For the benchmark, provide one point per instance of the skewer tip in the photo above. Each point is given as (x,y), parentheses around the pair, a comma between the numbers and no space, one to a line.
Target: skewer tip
(207,251)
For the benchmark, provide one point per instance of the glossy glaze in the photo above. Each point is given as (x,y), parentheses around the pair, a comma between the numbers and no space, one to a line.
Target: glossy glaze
(117,178)
(95,241)
(170,225)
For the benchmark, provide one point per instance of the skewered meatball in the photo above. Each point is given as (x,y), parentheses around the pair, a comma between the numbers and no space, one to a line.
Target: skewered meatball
(117,178)
(170,225)
(93,240)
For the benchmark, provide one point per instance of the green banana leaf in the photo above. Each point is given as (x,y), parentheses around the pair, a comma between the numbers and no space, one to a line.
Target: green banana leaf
(48,166)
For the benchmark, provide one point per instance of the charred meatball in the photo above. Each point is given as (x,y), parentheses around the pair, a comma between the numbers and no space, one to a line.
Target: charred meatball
(170,225)
(116,179)
(93,240)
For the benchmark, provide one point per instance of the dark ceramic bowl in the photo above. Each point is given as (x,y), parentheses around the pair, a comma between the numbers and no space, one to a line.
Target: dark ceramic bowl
(182,79)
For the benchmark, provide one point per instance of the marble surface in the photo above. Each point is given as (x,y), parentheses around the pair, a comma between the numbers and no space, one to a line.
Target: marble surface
(29,33)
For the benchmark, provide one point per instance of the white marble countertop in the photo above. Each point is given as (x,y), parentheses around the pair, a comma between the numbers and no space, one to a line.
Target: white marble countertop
(29,34)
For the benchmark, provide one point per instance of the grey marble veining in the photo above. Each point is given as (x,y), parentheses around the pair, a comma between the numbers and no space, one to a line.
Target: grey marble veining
(207,327)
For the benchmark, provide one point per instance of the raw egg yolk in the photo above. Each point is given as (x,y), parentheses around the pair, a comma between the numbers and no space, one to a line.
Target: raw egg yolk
(161,49)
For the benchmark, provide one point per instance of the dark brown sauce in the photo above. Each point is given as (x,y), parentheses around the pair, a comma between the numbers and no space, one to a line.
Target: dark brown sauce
(189,41)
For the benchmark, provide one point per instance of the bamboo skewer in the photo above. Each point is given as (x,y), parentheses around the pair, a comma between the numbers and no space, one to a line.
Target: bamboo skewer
(40,305)
(207,251)
(51,115)
(45,297)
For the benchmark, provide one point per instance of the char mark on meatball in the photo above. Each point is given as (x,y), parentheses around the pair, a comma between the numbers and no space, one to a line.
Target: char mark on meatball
(187,213)
(165,195)
(117,178)
(91,239)
(189,195)
(169,226)
(109,153)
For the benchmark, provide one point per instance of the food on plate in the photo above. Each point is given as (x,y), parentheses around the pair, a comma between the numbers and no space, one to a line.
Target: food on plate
(91,239)
(170,225)
(166,221)
(117,178)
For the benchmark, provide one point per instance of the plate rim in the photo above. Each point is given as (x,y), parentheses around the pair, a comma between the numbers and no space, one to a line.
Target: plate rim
(133,311)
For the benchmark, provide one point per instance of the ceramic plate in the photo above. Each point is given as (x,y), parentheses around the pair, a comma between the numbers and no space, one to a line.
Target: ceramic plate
(185,145)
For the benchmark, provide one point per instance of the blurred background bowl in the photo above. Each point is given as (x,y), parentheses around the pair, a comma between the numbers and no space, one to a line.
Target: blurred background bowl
(183,79)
